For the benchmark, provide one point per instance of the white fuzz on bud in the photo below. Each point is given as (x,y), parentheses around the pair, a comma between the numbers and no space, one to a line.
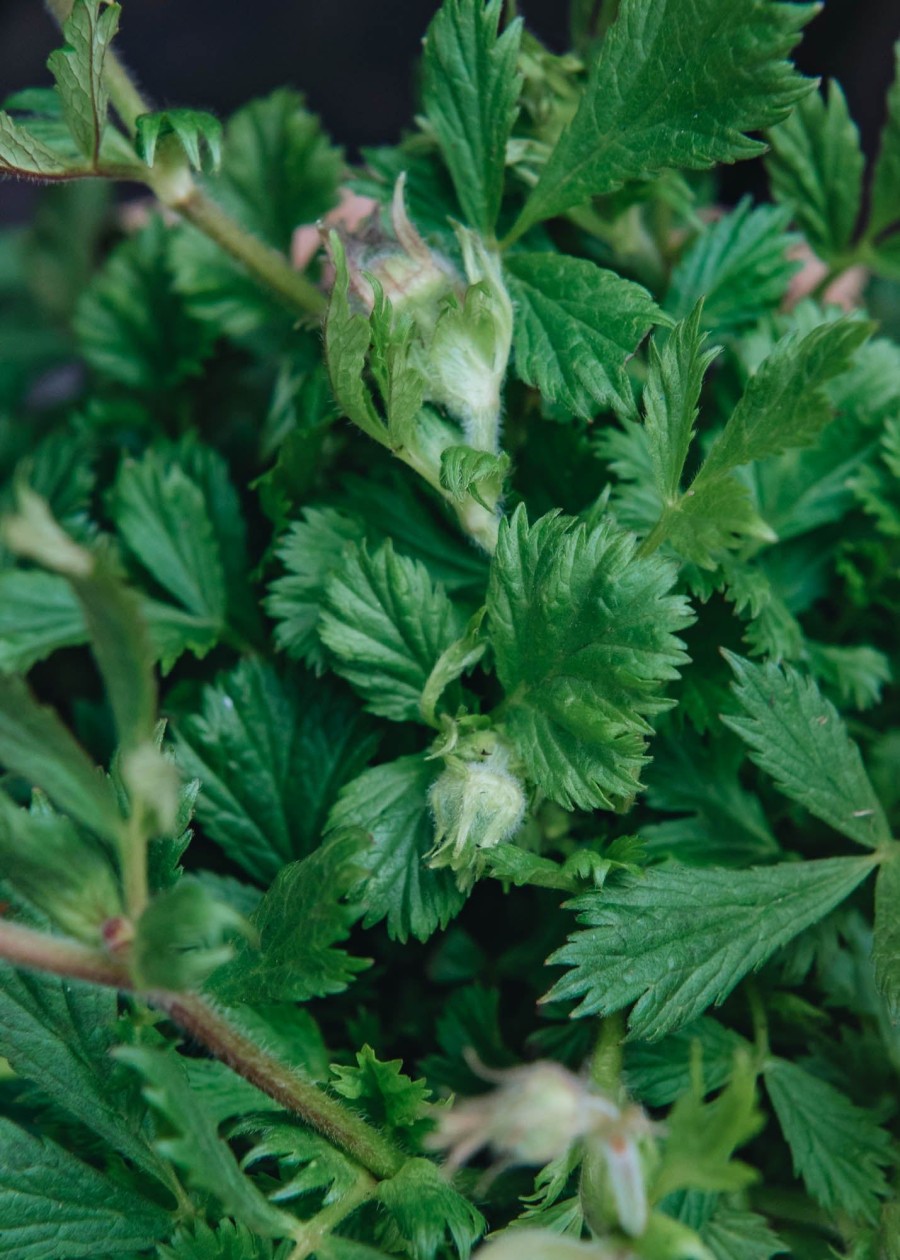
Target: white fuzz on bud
(477,804)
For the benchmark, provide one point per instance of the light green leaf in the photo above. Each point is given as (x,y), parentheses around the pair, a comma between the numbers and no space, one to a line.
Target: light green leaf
(453,662)
(837,1147)
(797,737)
(470,85)
(301,919)
(678,940)
(675,83)
(54,1207)
(348,335)
(131,324)
(575,326)
(815,167)
(38,614)
(271,755)
(390,803)
(311,550)
(36,745)
(885,211)
(161,514)
(184,934)
(195,1145)
(477,474)
(386,623)
(77,68)
(24,154)
(733,1234)
(383,1093)
(196,131)
(427,1210)
(739,266)
(583,633)
(671,400)
(886,943)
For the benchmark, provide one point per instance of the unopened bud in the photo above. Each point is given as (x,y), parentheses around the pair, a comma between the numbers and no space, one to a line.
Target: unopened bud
(477,804)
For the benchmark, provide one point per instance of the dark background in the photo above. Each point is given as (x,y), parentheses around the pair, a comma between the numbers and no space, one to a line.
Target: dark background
(355,59)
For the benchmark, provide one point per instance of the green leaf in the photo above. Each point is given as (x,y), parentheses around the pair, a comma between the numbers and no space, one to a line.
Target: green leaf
(229,1241)
(675,83)
(796,735)
(477,474)
(196,132)
(739,266)
(301,919)
(678,940)
(194,1144)
(671,400)
(24,154)
(38,614)
(884,213)
(658,1072)
(58,1034)
(162,516)
(733,1234)
(184,934)
(385,624)
(575,326)
(271,755)
(815,167)
(54,1207)
(311,550)
(390,803)
(77,68)
(387,1097)
(886,943)
(131,324)
(427,1210)
(470,87)
(702,1136)
(35,744)
(837,1147)
(583,633)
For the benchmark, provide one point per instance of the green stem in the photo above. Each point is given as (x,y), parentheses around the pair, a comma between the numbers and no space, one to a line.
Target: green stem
(342,1127)
(313,1232)
(606,1060)
(37,951)
(658,535)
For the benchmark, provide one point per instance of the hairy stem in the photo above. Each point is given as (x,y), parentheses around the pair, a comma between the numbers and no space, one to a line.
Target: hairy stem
(311,1234)
(24,947)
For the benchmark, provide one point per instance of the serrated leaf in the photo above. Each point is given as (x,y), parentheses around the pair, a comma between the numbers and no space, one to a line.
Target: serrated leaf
(299,923)
(77,68)
(271,755)
(54,1207)
(311,549)
(381,1090)
(885,197)
(678,940)
(480,474)
(739,266)
(308,1162)
(575,326)
(470,85)
(671,400)
(38,614)
(390,802)
(886,942)
(583,633)
(733,1234)
(184,934)
(837,1147)
(385,624)
(427,1211)
(815,167)
(131,324)
(24,154)
(196,131)
(797,736)
(194,1144)
(658,1072)
(229,1241)
(650,104)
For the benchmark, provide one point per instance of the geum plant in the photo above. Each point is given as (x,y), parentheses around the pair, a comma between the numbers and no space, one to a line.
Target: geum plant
(620,490)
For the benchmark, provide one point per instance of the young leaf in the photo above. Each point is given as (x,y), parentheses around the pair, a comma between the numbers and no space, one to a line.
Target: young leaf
(837,1147)
(386,1096)
(301,919)
(675,83)
(78,70)
(195,130)
(390,803)
(732,1234)
(739,266)
(678,940)
(54,1207)
(470,86)
(886,943)
(293,743)
(815,167)
(229,1241)
(426,1210)
(583,633)
(23,154)
(194,1144)
(480,474)
(38,614)
(884,213)
(575,327)
(386,624)
(671,400)
(796,735)
(182,936)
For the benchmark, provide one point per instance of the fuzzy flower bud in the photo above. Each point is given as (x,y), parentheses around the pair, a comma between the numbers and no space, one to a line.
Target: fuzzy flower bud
(547,1244)
(477,804)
